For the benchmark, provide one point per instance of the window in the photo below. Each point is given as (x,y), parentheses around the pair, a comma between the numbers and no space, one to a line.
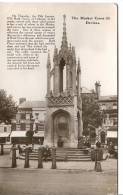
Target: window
(5,129)
(36,115)
(114,106)
(23,126)
(28,116)
(23,116)
(115,122)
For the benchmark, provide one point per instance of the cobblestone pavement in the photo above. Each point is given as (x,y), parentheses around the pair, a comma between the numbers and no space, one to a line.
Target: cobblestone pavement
(70,178)
(56,182)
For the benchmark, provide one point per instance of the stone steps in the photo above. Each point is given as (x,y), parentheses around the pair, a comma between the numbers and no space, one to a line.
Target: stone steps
(64,154)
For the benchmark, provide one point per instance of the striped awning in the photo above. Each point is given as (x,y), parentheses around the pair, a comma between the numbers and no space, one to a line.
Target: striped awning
(23,134)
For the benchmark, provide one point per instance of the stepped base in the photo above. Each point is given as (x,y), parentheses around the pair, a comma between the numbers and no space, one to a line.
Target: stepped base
(64,154)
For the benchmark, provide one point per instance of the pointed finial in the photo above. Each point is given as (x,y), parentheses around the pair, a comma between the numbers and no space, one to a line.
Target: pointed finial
(73,53)
(64,16)
(64,36)
(97,83)
(79,67)
(48,60)
(55,51)
(70,46)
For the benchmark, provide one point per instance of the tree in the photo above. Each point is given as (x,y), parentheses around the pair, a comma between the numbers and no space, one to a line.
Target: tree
(8,108)
(92,116)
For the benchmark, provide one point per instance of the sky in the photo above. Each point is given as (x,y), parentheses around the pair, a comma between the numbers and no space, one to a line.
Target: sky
(95,44)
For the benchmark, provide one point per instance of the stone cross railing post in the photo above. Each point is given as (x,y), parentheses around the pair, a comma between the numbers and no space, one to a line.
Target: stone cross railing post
(53,157)
(2,149)
(14,164)
(26,165)
(98,159)
(40,158)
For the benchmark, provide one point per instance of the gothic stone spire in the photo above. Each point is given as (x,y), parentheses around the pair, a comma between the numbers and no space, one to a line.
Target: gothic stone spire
(79,67)
(55,54)
(64,36)
(48,61)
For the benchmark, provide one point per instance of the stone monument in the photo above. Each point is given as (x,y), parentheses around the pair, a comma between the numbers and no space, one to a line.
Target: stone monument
(63,126)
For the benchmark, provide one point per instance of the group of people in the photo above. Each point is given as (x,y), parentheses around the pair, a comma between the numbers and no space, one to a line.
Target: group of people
(46,151)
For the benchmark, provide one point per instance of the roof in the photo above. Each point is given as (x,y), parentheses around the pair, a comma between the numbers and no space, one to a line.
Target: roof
(108,98)
(33,104)
(85,90)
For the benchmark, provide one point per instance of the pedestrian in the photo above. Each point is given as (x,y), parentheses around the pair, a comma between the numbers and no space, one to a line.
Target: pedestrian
(20,149)
(98,144)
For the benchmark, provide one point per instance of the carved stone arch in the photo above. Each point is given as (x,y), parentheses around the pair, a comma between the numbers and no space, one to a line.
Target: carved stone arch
(61,127)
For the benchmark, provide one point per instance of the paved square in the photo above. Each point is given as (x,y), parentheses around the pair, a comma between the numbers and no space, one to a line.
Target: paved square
(70,178)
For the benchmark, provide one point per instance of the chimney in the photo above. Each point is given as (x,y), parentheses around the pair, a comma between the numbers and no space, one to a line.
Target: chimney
(21,100)
(97,88)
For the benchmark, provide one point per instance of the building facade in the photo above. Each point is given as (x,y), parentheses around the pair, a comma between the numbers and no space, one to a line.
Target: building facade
(5,131)
(63,125)
(109,130)
(30,116)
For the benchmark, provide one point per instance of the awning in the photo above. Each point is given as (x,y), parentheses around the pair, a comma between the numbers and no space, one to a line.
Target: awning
(111,134)
(4,134)
(113,128)
(18,134)
(23,134)
(39,134)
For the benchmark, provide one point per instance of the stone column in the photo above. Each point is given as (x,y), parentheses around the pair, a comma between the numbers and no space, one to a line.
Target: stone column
(56,80)
(67,77)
